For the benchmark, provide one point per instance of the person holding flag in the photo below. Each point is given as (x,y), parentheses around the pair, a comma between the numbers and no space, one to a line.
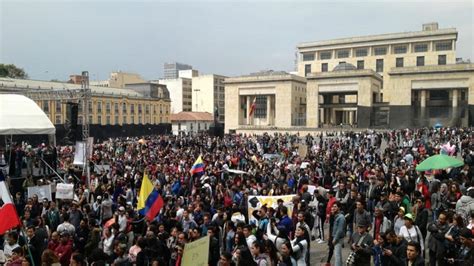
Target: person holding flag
(150,201)
(198,167)
(9,217)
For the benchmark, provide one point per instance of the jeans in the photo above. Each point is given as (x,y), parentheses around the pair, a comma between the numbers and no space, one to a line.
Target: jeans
(338,252)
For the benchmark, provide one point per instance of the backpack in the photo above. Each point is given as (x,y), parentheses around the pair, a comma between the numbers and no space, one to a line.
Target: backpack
(465,210)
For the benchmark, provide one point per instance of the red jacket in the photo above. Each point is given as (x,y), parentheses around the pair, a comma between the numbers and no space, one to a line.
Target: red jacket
(64,252)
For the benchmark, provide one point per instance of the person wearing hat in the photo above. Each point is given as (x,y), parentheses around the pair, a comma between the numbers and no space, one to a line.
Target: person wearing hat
(399,220)
(122,219)
(411,232)
(361,244)
(436,241)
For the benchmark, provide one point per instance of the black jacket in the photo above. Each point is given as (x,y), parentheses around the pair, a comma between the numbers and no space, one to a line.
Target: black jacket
(399,253)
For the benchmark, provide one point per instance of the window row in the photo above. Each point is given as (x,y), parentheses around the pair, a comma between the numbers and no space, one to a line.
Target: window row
(379,50)
(379,64)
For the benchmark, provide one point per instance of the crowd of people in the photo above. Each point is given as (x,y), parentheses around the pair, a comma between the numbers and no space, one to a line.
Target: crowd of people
(352,189)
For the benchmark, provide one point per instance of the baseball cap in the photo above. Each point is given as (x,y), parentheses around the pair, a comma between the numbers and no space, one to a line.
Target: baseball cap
(409,216)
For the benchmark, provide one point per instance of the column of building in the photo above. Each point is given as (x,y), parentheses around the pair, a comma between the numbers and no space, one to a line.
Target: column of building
(269,110)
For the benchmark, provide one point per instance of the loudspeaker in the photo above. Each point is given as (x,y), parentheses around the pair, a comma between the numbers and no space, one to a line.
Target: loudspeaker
(72,112)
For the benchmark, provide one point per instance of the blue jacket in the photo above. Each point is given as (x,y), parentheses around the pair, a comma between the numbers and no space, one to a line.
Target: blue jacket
(338,228)
(287,223)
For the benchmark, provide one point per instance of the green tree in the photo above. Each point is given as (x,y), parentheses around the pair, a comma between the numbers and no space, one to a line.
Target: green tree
(11,71)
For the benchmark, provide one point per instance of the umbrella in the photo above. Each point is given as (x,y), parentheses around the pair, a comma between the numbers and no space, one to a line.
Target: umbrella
(438,125)
(439,161)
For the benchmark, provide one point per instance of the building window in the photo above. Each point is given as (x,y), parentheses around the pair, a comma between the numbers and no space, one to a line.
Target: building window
(161,109)
(324,67)
(401,49)
(79,120)
(132,108)
(361,52)
(140,108)
(99,107)
(132,120)
(379,65)
(421,47)
(307,70)
(89,107)
(46,106)
(107,108)
(380,50)
(179,126)
(191,126)
(444,46)
(399,62)
(308,57)
(140,120)
(107,120)
(199,126)
(99,120)
(261,106)
(116,120)
(147,109)
(325,55)
(116,108)
(420,61)
(360,64)
(58,106)
(343,54)
(442,59)
(124,108)
(90,119)
(58,119)
(124,120)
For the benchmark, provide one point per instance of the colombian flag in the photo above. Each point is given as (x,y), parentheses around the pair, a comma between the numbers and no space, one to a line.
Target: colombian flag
(150,201)
(9,217)
(198,166)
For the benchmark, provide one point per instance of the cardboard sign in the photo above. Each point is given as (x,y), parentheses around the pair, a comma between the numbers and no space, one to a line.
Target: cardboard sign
(197,252)
(303,150)
(41,191)
(64,191)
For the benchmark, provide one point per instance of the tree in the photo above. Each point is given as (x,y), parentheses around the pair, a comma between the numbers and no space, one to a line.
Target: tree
(11,71)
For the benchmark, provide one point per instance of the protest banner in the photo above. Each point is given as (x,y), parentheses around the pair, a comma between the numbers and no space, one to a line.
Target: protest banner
(64,191)
(302,150)
(41,191)
(197,252)
(79,158)
(256,202)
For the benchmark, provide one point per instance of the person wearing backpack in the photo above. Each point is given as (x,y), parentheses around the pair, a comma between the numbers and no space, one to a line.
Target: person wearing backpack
(411,232)
(300,245)
(465,205)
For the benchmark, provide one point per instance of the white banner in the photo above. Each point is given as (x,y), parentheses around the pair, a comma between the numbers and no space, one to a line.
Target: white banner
(41,191)
(79,153)
(65,191)
(256,202)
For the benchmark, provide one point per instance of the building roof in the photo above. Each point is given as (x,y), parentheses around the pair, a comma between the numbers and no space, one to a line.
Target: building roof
(344,67)
(453,68)
(266,76)
(192,116)
(379,37)
(33,85)
(357,73)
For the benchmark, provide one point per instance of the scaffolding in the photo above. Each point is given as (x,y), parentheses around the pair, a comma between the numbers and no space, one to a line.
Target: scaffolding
(80,96)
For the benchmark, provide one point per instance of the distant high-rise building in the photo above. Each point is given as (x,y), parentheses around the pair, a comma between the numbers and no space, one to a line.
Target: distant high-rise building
(171,70)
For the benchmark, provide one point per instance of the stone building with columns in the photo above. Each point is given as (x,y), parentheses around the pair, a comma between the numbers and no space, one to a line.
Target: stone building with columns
(344,96)
(279,97)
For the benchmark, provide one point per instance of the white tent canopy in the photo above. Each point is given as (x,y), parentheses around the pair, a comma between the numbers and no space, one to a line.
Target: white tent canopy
(19,115)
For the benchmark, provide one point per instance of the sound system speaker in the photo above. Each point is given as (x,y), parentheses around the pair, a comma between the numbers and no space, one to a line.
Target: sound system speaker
(72,112)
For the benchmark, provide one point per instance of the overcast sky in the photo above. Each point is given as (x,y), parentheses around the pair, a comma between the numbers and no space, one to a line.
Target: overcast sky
(52,39)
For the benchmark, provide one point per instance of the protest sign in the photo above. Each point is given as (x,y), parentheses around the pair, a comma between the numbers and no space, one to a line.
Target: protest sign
(64,191)
(197,252)
(41,191)
(256,202)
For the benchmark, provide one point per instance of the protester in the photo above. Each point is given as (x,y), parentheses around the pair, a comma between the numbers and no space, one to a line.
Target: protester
(207,185)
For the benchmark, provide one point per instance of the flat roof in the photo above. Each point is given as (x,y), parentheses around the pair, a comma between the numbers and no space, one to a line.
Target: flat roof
(379,37)
(453,68)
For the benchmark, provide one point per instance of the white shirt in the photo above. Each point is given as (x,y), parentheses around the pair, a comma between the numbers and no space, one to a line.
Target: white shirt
(108,248)
(250,240)
(122,221)
(412,234)
(8,250)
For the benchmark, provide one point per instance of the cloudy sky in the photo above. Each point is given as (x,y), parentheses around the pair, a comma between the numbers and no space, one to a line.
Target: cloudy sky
(52,39)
